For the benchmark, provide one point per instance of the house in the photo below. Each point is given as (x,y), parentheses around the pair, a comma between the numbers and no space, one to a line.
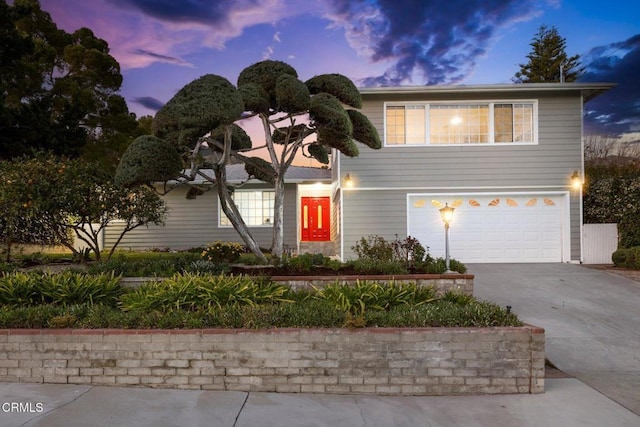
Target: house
(504,156)
(195,219)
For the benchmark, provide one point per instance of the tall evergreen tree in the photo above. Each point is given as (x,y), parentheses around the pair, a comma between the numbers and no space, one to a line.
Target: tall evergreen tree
(548,61)
(58,91)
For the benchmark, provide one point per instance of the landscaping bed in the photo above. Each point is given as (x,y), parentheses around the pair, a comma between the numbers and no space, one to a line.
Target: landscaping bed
(389,334)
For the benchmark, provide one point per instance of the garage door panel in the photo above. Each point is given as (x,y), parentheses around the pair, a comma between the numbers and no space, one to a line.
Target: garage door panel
(512,236)
(520,228)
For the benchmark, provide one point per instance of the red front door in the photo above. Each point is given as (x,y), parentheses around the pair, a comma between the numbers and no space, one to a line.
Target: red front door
(315,219)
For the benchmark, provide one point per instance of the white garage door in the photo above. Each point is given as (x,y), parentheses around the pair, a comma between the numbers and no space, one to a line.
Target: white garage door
(491,228)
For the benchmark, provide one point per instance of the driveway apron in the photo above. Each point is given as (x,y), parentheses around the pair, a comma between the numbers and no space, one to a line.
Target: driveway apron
(591,318)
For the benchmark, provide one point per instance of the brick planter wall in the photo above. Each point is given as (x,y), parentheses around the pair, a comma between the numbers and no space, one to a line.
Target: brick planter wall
(462,283)
(415,361)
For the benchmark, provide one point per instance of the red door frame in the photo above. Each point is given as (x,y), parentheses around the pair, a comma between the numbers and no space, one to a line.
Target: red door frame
(315,222)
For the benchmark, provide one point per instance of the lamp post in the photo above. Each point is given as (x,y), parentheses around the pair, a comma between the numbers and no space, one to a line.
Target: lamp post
(446,214)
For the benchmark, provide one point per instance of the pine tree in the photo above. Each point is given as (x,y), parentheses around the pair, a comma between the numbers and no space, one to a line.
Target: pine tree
(548,61)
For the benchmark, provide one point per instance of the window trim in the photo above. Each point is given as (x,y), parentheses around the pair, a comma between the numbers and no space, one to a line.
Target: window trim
(490,102)
(262,191)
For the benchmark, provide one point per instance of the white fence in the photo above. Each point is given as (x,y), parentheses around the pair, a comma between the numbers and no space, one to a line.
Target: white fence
(599,242)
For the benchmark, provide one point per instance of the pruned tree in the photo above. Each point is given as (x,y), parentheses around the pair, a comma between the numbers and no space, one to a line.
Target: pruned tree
(298,118)
(548,60)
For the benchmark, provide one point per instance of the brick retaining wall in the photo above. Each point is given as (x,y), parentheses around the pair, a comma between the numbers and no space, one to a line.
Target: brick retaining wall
(462,283)
(383,361)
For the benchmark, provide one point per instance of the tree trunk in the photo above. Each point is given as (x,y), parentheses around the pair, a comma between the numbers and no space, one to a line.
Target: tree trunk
(278,218)
(231,211)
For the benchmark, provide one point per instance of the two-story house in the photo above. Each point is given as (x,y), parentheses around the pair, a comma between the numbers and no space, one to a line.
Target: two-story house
(508,158)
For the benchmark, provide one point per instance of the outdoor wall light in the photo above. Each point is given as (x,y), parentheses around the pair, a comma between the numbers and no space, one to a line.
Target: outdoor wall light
(348,181)
(446,214)
(576,182)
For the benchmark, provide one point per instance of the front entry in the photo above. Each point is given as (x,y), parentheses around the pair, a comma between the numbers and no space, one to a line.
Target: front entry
(315,221)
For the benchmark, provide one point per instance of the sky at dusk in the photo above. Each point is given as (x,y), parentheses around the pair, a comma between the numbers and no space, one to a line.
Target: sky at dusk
(162,45)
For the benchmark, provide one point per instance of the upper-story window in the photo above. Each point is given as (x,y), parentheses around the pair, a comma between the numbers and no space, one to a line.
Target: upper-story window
(461,123)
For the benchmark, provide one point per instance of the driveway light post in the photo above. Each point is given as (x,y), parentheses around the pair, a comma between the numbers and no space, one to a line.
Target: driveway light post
(447,215)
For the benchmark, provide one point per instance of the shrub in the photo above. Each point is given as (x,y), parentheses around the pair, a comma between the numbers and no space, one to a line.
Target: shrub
(7,267)
(627,258)
(222,252)
(358,298)
(146,265)
(376,255)
(409,251)
(198,291)
(304,263)
(373,247)
(19,289)
(371,266)
(438,266)
(207,267)
(67,288)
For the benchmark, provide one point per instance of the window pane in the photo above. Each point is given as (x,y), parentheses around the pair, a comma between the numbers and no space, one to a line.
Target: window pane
(513,122)
(256,207)
(459,124)
(405,125)
(503,122)
(523,122)
(415,124)
(395,125)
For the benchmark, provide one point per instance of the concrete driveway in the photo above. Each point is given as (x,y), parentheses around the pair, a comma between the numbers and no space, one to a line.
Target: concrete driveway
(591,318)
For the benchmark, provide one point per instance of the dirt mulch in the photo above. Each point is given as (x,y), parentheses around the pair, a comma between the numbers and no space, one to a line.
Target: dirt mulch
(625,272)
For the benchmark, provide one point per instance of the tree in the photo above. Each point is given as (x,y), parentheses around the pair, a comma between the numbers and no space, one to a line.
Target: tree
(58,91)
(56,200)
(548,61)
(200,123)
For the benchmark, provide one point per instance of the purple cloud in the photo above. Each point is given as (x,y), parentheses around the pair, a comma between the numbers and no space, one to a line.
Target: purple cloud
(149,102)
(617,111)
(429,41)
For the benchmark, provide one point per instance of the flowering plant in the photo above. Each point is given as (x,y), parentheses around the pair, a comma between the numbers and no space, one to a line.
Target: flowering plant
(222,252)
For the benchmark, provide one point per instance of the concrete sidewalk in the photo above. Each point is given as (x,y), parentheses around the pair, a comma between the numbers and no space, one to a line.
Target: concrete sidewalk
(592,329)
(566,403)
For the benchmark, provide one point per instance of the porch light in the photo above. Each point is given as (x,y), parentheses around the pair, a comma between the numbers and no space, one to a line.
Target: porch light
(576,182)
(446,214)
(348,182)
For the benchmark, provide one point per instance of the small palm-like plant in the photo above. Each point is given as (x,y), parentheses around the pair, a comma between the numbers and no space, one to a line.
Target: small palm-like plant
(196,291)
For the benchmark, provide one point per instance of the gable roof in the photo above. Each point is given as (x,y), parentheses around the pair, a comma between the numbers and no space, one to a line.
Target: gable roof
(587,90)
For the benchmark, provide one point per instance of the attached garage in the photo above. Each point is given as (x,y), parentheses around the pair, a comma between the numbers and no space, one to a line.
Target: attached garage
(497,227)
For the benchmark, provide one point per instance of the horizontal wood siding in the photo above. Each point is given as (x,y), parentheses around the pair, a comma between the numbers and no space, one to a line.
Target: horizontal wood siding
(383,213)
(576,226)
(550,162)
(193,223)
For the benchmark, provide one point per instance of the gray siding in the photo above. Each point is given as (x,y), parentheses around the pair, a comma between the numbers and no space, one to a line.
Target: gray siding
(383,213)
(576,227)
(193,223)
(374,207)
(550,162)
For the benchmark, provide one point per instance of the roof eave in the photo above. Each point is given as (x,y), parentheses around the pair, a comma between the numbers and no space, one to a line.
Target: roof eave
(588,90)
